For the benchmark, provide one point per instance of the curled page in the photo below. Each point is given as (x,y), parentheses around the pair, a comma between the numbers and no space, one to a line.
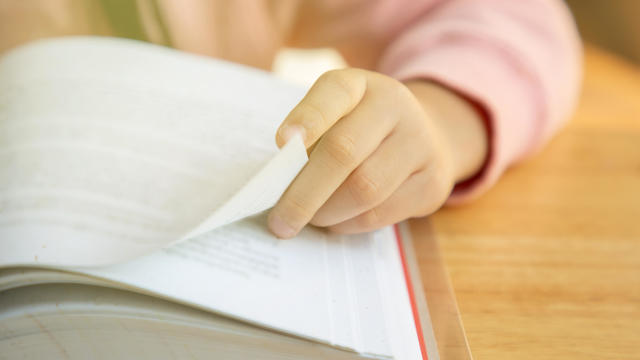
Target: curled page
(261,192)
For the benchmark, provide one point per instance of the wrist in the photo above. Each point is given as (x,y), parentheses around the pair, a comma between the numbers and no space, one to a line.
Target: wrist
(461,125)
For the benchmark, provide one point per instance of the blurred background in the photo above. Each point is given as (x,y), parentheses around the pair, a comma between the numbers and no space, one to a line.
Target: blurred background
(610,24)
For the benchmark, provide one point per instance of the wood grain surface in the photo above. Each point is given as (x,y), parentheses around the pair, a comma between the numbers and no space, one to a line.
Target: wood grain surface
(546,265)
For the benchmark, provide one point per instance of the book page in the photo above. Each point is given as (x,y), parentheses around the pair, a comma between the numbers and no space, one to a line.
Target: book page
(125,325)
(111,148)
(349,292)
(321,286)
(240,270)
(261,192)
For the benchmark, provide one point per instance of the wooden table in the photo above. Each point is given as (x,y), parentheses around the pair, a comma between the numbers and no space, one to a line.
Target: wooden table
(547,264)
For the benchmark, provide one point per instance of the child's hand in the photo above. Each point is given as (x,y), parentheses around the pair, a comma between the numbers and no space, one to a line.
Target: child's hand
(379,158)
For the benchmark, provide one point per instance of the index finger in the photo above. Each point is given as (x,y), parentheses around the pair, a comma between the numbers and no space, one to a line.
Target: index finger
(335,94)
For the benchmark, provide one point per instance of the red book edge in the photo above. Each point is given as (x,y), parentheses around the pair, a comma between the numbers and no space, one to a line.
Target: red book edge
(412,298)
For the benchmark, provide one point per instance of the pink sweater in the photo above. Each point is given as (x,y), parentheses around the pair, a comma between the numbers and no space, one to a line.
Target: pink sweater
(519,60)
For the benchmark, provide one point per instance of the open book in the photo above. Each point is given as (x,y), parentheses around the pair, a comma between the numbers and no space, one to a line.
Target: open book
(133,185)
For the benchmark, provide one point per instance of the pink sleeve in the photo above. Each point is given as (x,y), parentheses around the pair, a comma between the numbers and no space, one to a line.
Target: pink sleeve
(520,61)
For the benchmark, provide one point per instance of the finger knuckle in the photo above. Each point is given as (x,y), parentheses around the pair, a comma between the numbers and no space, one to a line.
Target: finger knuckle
(441,179)
(401,91)
(341,149)
(346,80)
(296,210)
(340,77)
(309,114)
(430,204)
(439,190)
(364,188)
(426,209)
(318,222)
(370,220)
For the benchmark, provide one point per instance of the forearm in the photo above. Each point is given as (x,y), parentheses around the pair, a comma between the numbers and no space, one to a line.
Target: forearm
(24,21)
(461,124)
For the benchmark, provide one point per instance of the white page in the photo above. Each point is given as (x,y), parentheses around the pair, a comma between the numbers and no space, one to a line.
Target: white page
(261,192)
(326,288)
(240,270)
(348,291)
(112,148)
(398,314)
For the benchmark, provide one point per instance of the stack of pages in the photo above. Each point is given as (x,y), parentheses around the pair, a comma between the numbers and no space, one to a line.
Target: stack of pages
(134,181)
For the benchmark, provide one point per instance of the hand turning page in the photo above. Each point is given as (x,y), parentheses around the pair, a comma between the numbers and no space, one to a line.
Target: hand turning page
(261,192)
(112,150)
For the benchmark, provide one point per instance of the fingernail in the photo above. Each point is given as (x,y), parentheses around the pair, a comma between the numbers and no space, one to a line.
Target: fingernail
(280,228)
(289,131)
